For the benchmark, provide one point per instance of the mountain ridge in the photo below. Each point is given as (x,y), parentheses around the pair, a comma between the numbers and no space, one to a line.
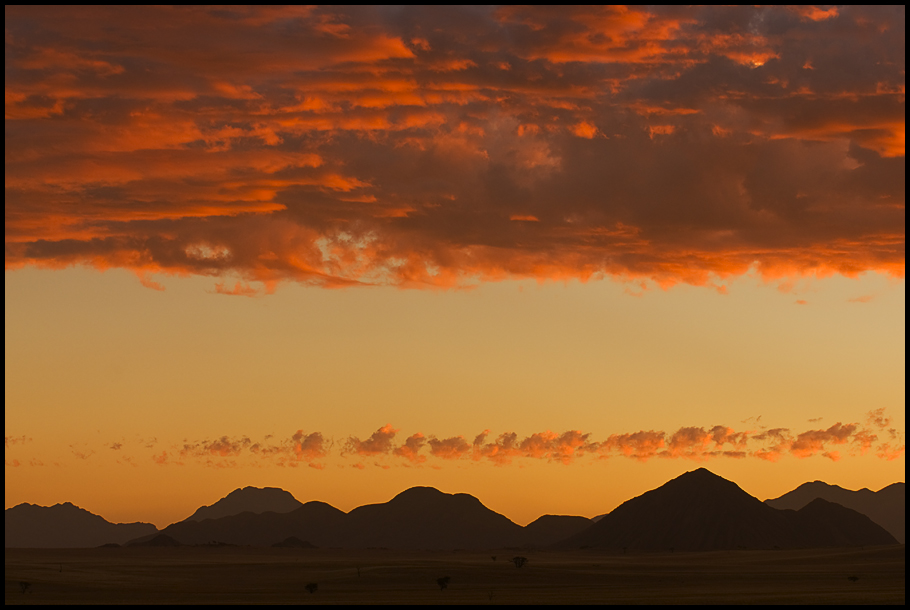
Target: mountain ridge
(886,507)
(65,525)
(425,517)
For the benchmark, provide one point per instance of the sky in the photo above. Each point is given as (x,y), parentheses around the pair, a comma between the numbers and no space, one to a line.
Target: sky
(551,257)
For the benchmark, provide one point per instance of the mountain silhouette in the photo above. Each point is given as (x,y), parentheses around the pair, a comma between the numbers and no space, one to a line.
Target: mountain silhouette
(700,511)
(65,526)
(885,506)
(426,518)
(548,529)
(697,511)
(418,518)
(315,522)
(824,523)
(248,499)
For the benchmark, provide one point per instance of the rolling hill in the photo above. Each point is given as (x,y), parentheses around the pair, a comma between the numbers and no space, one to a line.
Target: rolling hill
(700,511)
(885,506)
(65,526)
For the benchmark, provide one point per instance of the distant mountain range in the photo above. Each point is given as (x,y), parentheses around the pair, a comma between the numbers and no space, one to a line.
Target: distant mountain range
(695,511)
(65,526)
(421,517)
(885,506)
(700,511)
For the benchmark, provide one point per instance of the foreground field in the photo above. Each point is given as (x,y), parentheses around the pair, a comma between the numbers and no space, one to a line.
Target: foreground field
(200,575)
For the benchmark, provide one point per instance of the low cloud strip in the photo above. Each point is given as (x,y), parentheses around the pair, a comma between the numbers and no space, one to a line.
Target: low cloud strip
(384,448)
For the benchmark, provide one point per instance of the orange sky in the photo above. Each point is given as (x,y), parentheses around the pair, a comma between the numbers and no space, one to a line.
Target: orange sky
(631,241)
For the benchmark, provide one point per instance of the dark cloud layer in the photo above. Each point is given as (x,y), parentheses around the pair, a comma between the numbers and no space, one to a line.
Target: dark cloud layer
(441,146)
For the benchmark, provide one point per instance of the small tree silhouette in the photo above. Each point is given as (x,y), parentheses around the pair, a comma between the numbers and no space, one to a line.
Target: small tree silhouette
(443,582)
(519,561)
(311,587)
(493,557)
(24,586)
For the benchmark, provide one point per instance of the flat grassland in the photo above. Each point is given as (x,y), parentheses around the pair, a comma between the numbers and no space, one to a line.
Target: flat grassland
(247,575)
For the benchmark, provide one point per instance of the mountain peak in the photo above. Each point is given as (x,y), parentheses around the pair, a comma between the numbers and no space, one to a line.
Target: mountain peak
(885,507)
(248,499)
(421,492)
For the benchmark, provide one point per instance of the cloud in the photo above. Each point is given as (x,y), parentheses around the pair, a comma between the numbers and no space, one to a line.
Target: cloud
(411,449)
(640,445)
(162,459)
(222,447)
(345,146)
(698,443)
(452,448)
(16,440)
(309,447)
(888,452)
(300,447)
(380,442)
(82,455)
(501,451)
(239,289)
(813,441)
(878,418)
(776,442)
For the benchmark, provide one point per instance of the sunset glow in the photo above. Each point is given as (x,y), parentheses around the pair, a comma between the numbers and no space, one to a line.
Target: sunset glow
(517,252)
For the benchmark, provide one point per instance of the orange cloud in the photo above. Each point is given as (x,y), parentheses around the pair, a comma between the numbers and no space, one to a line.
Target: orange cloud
(411,449)
(222,447)
(639,445)
(309,447)
(584,130)
(837,442)
(813,441)
(452,448)
(15,440)
(878,418)
(815,13)
(501,451)
(380,442)
(887,452)
(388,156)
(239,289)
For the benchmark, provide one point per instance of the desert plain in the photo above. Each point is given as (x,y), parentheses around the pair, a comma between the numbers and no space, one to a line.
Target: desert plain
(248,575)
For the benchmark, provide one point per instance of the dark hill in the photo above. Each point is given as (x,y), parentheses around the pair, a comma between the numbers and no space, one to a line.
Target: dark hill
(825,523)
(426,518)
(549,529)
(248,499)
(65,526)
(885,506)
(317,522)
(419,518)
(700,511)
